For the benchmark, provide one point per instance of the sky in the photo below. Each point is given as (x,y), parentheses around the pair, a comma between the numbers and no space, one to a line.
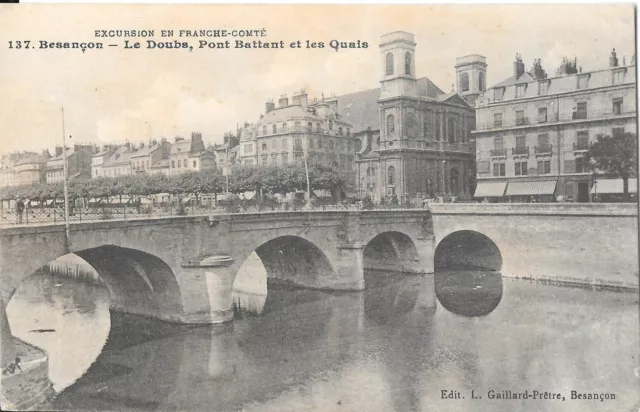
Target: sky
(115,95)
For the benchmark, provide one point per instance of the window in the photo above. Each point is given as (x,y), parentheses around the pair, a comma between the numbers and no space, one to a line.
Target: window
(264,159)
(498,169)
(274,144)
(274,129)
(407,64)
(481,81)
(309,126)
(520,90)
(285,158)
(185,163)
(348,132)
(617,131)
(264,130)
(498,143)
(179,163)
(521,142)
(298,143)
(340,131)
(581,165)
(264,146)
(543,140)
(248,148)
(330,124)
(497,119)
(583,82)
(542,114)
(520,119)
(451,133)
(389,64)
(582,140)
(498,94)
(319,143)
(617,106)
(437,127)
(317,127)
(543,87)
(464,82)
(521,168)
(194,164)
(330,144)
(390,124)
(391,175)
(580,111)
(284,126)
(544,167)
(285,144)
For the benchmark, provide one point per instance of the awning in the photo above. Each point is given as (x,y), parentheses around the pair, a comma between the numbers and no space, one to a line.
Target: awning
(613,186)
(349,193)
(490,189)
(544,187)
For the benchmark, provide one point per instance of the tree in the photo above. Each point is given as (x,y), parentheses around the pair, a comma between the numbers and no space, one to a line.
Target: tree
(616,156)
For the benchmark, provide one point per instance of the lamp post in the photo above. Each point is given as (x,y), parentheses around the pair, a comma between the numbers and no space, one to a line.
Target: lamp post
(66,192)
(594,182)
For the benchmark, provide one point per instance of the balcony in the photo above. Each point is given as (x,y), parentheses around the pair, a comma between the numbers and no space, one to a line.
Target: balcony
(543,150)
(520,151)
(581,147)
(498,152)
(589,115)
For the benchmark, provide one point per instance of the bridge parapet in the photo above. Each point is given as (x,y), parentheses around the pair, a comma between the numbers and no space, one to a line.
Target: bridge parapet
(582,209)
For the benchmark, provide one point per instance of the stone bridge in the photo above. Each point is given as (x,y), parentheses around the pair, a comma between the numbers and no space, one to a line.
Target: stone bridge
(157,267)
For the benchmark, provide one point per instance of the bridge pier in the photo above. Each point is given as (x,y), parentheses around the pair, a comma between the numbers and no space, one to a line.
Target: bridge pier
(349,267)
(7,345)
(206,285)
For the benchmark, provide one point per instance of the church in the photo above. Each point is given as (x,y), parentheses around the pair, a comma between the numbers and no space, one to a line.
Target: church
(416,139)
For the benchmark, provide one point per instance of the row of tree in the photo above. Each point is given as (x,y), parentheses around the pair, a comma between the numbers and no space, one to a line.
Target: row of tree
(265,179)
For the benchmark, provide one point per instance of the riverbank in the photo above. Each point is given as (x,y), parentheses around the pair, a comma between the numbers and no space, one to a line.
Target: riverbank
(28,386)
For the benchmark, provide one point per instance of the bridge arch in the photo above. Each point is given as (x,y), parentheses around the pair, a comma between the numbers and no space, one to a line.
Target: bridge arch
(391,251)
(467,249)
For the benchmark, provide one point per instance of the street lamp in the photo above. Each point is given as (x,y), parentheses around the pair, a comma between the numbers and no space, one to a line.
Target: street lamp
(594,182)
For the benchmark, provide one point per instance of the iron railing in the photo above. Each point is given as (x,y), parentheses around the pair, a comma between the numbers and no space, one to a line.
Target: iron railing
(520,151)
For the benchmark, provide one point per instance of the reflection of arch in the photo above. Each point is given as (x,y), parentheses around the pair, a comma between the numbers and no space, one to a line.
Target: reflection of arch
(464,82)
(389,64)
(467,249)
(391,252)
(294,260)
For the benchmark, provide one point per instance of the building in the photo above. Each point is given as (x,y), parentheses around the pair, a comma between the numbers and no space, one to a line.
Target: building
(79,160)
(7,167)
(190,155)
(31,169)
(533,130)
(119,163)
(99,158)
(148,155)
(414,139)
(297,130)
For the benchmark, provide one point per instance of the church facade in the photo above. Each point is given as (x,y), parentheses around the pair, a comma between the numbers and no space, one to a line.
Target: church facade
(416,139)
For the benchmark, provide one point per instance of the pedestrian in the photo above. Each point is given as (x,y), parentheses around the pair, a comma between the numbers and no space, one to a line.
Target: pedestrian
(19,210)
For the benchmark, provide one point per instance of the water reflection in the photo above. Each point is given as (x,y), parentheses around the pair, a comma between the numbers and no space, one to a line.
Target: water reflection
(383,349)
(67,318)
(469,293)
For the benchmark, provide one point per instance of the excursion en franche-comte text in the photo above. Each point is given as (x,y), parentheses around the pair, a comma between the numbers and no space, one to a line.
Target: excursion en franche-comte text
(245,39)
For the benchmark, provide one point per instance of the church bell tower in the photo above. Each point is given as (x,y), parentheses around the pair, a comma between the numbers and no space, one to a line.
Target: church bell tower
(398,65)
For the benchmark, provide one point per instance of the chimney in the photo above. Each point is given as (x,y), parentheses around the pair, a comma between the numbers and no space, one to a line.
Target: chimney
(196,143)
(300,99)
(141,145)
(283,101)
(246,124)
(58,151)
(518,67)
(613,59)
(269,105)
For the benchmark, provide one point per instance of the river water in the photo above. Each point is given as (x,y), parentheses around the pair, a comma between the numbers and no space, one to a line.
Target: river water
(385,349)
